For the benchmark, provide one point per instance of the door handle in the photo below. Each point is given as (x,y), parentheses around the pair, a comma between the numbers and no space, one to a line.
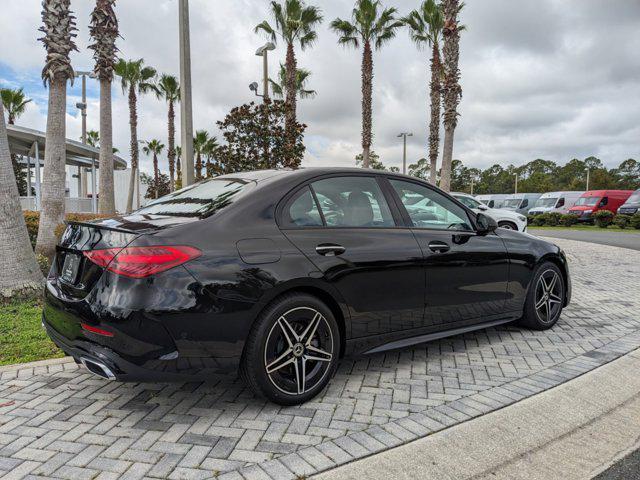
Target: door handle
(439,247)
(330,249)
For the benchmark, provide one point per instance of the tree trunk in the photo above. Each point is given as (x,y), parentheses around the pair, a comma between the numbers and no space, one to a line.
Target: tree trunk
(452,90)
(106,200)
(367,93)
(178,171)
(19,271)
(434,126)
(198,167)
(290,105)
(156,173)
(54,173)
(133,124)
(171,153)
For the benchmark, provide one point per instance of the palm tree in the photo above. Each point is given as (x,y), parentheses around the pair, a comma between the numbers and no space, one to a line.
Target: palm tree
(15,103)
(136,79)
(371,25)
(178,166)
(425,28)
(280,87)
(154,147)
(452,89)
(200,148)
(211,150)
(19,270)
(169,89)
(93,138)
(104,32)
(294,22)
(59,31)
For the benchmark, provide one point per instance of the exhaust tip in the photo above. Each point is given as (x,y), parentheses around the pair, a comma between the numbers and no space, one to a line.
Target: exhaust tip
(98,368)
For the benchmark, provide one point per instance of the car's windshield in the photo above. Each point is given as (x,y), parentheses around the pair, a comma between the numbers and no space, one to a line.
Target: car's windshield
(512,203)
(547,202)
(589,201)
(634,198)
(200,200)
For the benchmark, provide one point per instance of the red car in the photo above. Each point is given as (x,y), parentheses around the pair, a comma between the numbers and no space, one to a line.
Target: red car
(595,200)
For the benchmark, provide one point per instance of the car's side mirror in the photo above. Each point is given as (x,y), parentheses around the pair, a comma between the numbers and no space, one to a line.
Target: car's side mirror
(483,207)
(485,224)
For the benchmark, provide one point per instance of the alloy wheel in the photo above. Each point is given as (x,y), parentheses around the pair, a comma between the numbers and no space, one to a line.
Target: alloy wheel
(298,351)
(548,296)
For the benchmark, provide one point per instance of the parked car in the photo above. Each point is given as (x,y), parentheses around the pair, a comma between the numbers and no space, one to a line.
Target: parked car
(557,202)
(505,218)
(278,274)
(632,205)
(595,200)
(520,202)
(492,200)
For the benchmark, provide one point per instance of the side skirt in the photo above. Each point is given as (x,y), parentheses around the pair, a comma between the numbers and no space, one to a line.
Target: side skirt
(407,342)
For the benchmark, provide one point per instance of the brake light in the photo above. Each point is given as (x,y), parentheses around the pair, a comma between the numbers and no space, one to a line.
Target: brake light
(96,330)
(141,262)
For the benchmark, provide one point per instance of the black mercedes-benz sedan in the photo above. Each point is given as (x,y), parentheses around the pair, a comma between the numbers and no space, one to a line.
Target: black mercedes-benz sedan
(278,274)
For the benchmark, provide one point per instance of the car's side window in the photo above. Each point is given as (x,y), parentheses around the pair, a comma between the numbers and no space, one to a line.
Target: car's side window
(469,202)
(433,210)
(560,202)
(302,211)
(352,202)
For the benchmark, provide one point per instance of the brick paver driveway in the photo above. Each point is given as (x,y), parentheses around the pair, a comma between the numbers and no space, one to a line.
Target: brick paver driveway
(60,422)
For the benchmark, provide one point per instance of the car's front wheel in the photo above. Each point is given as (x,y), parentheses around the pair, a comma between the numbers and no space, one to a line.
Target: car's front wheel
(292,350)
(545,298)
(507,225)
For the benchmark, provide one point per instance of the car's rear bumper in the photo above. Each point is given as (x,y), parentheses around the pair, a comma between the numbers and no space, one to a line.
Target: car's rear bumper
(106,363)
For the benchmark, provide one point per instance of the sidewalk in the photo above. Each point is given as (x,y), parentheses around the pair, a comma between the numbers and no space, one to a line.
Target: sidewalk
(573,431)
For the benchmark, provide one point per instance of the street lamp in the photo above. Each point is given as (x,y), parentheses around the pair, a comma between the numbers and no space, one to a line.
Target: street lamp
(253,86)
(516,189)
(404,136)
(587,178)
(263,52)
(186,107)
(82,106)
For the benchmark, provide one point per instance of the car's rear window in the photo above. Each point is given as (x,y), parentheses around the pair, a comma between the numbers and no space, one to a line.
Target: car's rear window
(200,200)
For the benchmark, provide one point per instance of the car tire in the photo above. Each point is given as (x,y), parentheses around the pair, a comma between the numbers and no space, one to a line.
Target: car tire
(545,298)
(508,225)
(292,351)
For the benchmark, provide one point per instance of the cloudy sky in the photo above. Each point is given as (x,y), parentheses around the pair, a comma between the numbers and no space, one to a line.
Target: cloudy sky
(553,79)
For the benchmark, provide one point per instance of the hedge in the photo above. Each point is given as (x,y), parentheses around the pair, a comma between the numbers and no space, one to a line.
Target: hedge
(602,219)
(32,219)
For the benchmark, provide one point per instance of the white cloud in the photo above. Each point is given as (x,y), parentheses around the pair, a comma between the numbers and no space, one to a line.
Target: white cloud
(554,79)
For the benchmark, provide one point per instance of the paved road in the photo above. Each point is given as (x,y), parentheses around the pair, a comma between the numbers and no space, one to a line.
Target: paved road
(58,421)
(627,468)
(616,239)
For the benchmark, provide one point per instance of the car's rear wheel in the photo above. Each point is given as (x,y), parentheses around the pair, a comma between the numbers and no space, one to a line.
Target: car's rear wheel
(508,225)
(292,350)
(545,298)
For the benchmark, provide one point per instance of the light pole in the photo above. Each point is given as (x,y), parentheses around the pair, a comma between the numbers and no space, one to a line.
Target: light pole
(186,108)
(404,136)
(516,183)
(82,106)
(263,52)
(587,178)
(471,185)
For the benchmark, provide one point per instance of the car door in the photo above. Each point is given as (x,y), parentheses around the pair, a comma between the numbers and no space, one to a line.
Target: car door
(466,273)
(346,226)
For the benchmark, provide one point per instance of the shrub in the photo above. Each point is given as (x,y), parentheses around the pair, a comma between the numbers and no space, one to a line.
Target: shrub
(635,221)
(568,220)
(553,219)
(539,220)
(622,221)
(603,218)
(32,219)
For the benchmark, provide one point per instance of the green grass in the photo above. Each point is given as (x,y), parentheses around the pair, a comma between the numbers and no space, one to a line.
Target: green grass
(592,228)
(22,338)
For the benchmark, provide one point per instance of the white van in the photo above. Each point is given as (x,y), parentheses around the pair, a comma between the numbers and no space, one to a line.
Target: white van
(559,202)
(492,200)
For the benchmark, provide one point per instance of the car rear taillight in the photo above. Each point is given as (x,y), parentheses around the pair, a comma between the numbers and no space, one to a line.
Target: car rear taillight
(141,262)
(96,330)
